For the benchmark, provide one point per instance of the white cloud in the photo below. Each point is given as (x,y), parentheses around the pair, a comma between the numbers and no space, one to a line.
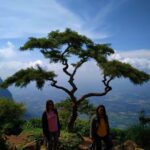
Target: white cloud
(37,18)
(11,60)
(7,51)
(8,68)
(138,58)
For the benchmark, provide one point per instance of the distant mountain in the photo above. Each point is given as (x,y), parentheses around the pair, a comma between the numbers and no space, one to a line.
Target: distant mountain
(4,93)
(123,103)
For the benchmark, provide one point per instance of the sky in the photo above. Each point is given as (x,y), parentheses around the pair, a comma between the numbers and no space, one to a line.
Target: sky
(125,24)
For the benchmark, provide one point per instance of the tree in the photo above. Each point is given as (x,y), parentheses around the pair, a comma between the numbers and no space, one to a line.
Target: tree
(11,116)
(59,47)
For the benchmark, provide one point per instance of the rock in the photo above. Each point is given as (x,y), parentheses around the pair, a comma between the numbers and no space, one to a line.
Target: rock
(85,143)
(127,145)
(30,146)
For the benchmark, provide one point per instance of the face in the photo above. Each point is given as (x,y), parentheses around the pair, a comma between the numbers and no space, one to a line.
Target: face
(101,111)
(50,106)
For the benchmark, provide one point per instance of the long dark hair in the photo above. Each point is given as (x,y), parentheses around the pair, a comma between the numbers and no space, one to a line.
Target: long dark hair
(97,114)
(48,102)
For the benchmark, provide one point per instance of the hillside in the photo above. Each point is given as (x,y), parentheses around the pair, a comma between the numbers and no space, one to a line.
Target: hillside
(5,93)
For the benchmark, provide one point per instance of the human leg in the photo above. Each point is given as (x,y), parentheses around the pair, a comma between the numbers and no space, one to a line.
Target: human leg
(55,140)
(98,144)
(108,142)
(49,143)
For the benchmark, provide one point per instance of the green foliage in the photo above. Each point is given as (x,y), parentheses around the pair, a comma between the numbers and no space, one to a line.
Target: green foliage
(34,133)
(118,69)
(11,114)
(24,77)
(3,144)
(144,120)
(118,135)
(139,134)
(82,127)
(65,108)
(69,141)
(59,46)
(33,123)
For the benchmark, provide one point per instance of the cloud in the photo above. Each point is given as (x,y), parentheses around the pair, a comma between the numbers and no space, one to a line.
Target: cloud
(138,58)
(36,18)
(22,18)
(12,60)
(7,51)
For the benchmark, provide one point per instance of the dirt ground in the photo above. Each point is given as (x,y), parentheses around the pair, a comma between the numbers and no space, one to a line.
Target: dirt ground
(23,141)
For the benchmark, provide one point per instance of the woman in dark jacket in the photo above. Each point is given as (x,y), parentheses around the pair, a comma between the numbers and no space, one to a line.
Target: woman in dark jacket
(100,129)
(51,125)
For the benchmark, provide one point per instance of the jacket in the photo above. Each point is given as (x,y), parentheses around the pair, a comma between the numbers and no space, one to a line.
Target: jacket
(94,126)
(45,123)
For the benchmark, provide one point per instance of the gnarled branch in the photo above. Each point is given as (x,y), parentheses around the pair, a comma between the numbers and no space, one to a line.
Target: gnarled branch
(107,89)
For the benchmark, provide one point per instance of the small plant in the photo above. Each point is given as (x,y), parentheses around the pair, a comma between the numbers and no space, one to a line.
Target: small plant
(3,144)
(11,116)
(69,141)
(82,127)
(140,135)
(33,123)
(118,135)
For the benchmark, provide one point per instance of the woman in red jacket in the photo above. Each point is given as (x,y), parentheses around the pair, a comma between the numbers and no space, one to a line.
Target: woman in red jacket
(51,125)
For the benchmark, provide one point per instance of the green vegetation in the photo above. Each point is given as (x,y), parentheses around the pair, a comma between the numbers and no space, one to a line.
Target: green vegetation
(140,134)
(11,116)
(60,47)
(33,123)
(64,109)
(137,133)
(69,141)
(11,119)
(82,127)
(3,144)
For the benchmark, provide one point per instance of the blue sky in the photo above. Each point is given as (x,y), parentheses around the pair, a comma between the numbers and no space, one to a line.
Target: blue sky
(123,23)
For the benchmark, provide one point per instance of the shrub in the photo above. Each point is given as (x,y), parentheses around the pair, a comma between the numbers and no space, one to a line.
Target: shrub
(139,134)
(33,123)
(11,116)
(69,141)
(82,127)
(3,144)
(118,135)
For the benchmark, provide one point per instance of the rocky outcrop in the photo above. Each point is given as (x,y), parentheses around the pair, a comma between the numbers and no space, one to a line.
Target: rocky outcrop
(4,93)
(128,145)
(86,142)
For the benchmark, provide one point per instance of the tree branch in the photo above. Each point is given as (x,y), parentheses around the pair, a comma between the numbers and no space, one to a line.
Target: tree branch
(107,89)
(65,61)
(74,87)
(71,75)
(54,84)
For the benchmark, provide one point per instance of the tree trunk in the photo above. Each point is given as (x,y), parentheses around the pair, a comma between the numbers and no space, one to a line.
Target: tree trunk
(73,117)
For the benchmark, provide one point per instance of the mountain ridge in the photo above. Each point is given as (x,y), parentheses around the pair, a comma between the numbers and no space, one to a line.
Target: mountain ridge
(5,93)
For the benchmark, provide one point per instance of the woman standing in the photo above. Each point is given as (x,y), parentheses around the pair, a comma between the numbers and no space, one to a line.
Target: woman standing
(100,129)
(51,125)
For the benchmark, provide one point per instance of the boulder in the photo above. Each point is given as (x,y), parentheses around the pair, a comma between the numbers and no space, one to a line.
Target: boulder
(127,145)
